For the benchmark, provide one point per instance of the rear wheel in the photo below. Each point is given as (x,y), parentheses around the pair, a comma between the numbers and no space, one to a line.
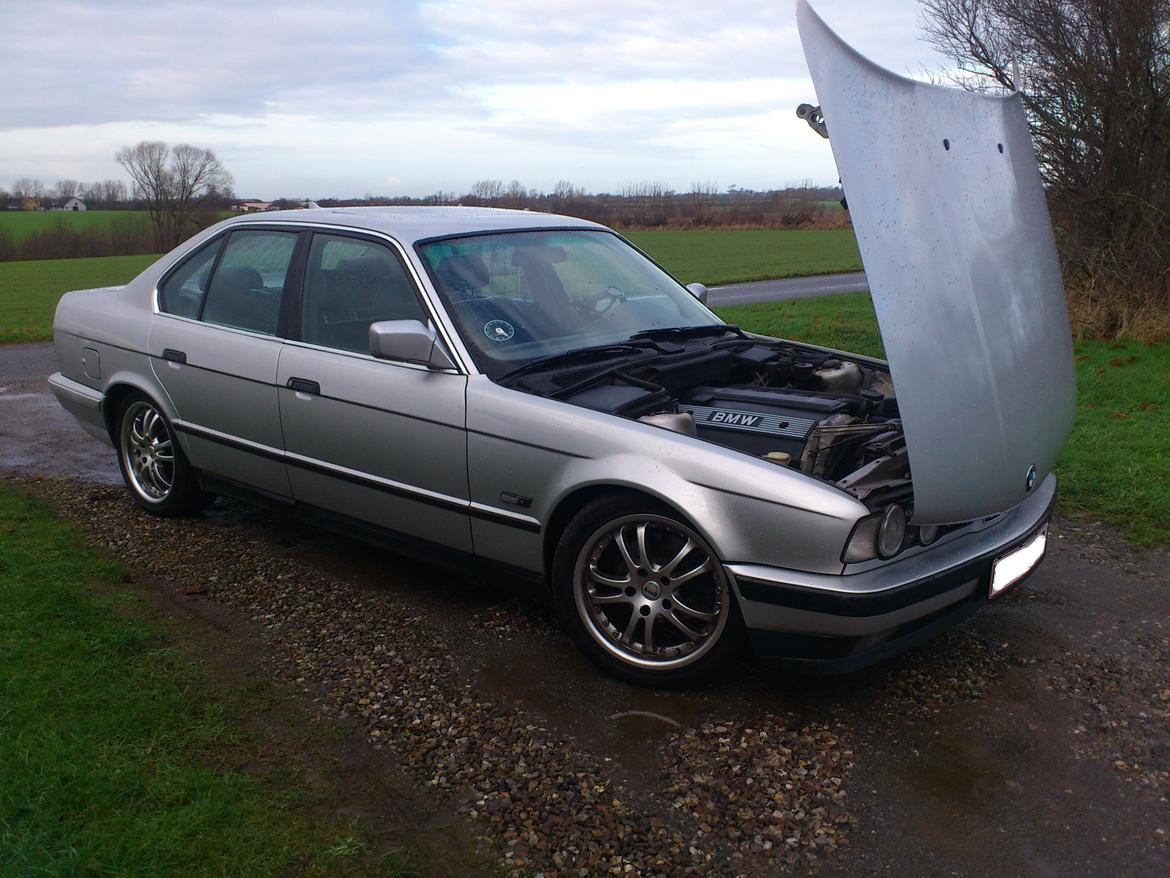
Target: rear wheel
(643,594)
(153,465)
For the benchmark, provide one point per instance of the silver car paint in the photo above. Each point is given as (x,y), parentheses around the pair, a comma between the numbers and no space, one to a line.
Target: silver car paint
(227,385)
(400,425)
(950,215)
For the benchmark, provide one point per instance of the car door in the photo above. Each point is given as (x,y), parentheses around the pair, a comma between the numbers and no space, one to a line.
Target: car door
(215,346)
(381,441)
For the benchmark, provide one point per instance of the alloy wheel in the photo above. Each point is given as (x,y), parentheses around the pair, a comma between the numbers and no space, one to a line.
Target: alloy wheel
(148,452)
(651,592)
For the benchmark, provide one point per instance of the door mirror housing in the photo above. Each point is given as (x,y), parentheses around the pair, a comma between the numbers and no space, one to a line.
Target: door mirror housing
(698,291)
(408,341)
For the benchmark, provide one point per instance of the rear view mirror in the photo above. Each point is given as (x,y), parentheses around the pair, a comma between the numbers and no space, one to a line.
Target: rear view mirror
(698,291)
(408,341)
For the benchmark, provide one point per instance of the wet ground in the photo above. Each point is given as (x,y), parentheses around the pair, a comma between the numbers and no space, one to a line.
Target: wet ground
(1035,739)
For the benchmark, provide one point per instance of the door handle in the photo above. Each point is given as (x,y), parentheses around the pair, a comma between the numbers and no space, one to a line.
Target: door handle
(173,356)
(304,385)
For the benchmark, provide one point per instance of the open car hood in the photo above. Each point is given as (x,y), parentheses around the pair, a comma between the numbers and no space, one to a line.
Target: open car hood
(949,212)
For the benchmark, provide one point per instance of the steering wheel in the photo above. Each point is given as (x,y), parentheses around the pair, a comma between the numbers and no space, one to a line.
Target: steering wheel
(607,300)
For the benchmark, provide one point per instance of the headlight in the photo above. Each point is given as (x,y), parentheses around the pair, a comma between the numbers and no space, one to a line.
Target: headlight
(927,534)
(891,531)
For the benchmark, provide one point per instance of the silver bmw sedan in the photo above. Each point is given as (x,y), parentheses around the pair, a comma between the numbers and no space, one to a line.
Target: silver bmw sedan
(532,393)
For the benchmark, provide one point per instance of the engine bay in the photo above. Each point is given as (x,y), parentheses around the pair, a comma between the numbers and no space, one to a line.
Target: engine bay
(826,415)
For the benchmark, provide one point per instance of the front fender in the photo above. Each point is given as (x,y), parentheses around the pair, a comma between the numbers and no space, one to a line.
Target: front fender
(540,452)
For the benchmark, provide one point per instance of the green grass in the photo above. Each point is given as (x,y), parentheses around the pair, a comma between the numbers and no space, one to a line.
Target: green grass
(108,733)
(717,256)
(29,290)
(1116,467)
(22,223)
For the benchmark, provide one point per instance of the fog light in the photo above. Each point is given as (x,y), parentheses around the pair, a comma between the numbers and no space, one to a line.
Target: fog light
(891,531)
(927,534)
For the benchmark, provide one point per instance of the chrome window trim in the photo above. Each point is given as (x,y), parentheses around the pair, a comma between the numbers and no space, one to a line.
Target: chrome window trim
(359,356)
(442,321)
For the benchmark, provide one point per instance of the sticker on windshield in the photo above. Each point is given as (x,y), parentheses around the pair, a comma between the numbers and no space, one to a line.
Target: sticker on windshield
(499,330)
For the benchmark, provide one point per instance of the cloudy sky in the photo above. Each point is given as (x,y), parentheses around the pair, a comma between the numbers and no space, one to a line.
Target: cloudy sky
(347,98)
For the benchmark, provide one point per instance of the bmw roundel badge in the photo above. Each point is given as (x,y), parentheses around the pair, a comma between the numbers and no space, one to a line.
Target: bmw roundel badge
(1030,478)
(499,330)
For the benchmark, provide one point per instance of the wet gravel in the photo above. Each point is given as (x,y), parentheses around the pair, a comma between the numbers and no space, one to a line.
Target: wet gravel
(742,799)
(772,789)
(1126,694)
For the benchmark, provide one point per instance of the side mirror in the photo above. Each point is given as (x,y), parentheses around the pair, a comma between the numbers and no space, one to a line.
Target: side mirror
(408,341)
(698,291)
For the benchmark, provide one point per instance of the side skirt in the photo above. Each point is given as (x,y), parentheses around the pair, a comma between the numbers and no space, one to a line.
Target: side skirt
(415,548)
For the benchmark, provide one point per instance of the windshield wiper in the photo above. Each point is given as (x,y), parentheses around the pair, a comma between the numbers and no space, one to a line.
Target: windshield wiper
(687,331)
(604,350)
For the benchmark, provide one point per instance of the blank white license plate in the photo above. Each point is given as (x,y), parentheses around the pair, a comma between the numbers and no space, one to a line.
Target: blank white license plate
(1009,569)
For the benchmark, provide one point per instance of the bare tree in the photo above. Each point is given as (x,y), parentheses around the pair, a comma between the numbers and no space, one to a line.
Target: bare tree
(28,188)
(517,195)
(66,189)
(488,191)
(564,190)
(174,183)
(197,177)
(1094,77)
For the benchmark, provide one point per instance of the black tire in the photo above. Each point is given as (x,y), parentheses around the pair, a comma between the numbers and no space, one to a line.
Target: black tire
(156,472)
(595,544)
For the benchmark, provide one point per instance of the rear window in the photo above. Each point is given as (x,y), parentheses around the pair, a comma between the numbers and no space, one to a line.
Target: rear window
(183,292)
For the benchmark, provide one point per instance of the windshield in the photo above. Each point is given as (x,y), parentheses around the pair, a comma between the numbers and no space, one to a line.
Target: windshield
(521,296)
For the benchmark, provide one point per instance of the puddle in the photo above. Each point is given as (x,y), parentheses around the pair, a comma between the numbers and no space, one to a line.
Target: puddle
(642,726)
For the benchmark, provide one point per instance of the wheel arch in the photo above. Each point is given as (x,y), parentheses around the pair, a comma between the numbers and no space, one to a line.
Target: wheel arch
(118,389)
(576,500)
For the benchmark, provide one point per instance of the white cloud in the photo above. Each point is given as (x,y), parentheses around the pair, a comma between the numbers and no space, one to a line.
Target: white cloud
(312,99)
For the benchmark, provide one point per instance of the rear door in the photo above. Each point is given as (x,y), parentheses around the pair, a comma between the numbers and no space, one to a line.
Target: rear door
(214,347)
(950,215)
(381,441)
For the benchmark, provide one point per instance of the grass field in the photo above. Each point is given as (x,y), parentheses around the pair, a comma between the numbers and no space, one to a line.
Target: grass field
(718,256)
(1116,466)
(113,745)
(29,290)
(20,223)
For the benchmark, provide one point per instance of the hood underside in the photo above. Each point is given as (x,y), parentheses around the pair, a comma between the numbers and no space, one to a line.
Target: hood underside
(950,216)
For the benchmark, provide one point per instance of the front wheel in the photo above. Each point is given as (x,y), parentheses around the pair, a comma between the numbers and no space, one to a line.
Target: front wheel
(153,465)
(643,594)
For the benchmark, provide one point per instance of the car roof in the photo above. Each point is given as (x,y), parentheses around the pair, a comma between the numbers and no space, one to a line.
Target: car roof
(411,224)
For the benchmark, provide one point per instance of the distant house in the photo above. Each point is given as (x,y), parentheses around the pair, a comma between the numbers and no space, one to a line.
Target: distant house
(73,204)
(29,204)
(255,206)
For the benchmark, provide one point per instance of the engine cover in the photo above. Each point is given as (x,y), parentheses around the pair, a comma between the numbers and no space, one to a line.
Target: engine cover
(758,421)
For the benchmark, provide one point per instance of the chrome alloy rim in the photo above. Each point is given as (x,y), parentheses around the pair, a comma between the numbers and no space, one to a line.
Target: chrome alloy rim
(148,452)
(651,592)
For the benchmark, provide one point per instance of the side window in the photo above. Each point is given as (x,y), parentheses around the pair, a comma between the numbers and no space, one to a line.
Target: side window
(182,293)
(349,284)
(248,285)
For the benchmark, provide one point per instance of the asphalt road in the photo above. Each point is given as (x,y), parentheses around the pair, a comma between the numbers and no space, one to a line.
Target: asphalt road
(1030,741)
(788,288)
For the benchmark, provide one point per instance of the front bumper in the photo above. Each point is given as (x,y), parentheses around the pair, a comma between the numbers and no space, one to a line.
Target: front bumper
(836,624)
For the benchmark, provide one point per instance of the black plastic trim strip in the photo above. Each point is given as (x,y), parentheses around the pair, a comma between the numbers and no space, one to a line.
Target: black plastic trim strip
(852,604)
(354,478)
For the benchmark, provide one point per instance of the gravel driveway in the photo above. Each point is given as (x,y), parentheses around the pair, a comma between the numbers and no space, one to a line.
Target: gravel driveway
(1035,739)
